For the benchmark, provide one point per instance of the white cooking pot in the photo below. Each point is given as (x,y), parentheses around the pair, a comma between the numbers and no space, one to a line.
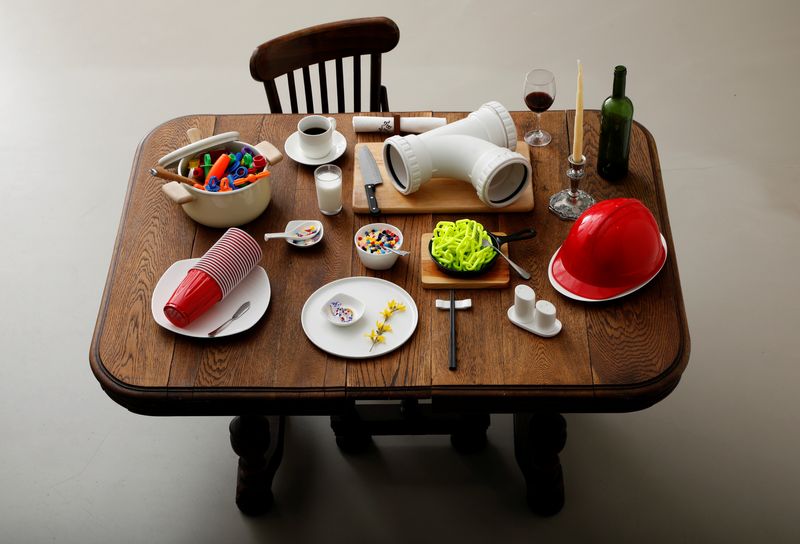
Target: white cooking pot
(228,209)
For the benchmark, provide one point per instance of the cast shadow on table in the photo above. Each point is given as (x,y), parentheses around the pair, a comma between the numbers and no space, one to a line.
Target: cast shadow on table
(403,485)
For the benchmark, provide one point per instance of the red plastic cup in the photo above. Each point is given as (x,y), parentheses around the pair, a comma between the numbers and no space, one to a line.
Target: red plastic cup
(195,295)
(213,277)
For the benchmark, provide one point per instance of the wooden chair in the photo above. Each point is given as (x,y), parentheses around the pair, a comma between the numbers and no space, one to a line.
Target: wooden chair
(314,45)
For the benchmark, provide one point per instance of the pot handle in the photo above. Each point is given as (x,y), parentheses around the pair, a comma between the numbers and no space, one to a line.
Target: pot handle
(194,135)
(177,192)
(197,147)
(269,151)
(524,234)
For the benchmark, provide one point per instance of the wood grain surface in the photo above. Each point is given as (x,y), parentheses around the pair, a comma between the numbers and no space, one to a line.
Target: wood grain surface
(619,355)
(438,195)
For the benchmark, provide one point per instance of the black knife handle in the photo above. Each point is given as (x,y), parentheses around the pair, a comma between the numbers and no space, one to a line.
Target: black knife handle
(372,200)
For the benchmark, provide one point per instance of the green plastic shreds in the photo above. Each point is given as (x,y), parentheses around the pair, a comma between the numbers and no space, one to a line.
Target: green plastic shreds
(457,246)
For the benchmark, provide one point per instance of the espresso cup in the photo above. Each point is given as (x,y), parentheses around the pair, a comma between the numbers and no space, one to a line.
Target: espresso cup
(316,135)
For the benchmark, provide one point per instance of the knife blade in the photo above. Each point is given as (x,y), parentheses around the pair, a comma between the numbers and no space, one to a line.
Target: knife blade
(371,176)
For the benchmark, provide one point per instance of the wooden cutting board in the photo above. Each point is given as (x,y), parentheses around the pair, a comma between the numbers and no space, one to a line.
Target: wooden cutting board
(433,278)
(439,195)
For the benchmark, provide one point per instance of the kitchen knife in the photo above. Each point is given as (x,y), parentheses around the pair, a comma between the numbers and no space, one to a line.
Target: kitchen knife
(371,176)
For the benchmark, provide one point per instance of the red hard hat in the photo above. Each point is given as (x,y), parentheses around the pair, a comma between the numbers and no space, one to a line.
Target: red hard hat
(613,247)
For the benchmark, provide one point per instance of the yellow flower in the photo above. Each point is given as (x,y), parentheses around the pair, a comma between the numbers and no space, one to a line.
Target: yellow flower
(376,335)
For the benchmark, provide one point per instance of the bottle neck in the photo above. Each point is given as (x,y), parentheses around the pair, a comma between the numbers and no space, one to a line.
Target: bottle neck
(619,82)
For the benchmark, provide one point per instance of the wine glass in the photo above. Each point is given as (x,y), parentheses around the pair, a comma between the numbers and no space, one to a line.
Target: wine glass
(539,92)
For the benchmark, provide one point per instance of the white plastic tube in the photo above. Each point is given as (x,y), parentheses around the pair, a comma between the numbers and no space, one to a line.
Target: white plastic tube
(477,149)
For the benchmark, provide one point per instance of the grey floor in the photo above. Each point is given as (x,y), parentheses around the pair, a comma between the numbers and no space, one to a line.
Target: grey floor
(717,461)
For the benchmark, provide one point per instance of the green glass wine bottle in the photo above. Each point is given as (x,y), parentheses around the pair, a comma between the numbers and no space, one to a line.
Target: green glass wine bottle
(616,117)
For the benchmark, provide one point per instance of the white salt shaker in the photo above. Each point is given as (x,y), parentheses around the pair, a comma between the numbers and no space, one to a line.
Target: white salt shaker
(536,317)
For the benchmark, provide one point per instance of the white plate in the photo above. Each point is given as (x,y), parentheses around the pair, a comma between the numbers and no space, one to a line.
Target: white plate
(292,147)
(351,342)
(254,287)
(569,294)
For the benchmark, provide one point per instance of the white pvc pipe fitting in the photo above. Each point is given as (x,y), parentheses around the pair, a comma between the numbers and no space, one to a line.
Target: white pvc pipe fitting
(478,149)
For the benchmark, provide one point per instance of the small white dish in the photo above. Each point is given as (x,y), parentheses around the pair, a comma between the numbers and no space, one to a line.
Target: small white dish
(254,288)
(569,294)
(343,310)
(351,342)
(292,148)
(377,261)
(308,242)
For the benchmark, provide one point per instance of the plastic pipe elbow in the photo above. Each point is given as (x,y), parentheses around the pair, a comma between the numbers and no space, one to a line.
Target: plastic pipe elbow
(477,149)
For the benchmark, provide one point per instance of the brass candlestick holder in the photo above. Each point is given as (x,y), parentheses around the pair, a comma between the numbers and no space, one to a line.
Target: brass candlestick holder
(570,203)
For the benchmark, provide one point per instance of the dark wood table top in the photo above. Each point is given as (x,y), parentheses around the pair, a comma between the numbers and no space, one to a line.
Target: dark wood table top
(615,356)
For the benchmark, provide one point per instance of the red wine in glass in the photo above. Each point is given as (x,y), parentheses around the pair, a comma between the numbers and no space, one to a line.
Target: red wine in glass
(539,92)
(539,101)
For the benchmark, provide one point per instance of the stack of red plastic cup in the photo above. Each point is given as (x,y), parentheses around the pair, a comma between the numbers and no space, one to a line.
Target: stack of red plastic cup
(213,277)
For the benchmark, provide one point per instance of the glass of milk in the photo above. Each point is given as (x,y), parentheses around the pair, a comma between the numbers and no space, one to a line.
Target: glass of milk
(328,180)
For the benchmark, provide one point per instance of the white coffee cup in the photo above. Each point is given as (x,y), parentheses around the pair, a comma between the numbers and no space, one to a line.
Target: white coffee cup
(316,135)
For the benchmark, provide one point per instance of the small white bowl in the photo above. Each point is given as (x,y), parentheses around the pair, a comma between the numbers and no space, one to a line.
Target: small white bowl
(378,261)
(308,242)
(343,301)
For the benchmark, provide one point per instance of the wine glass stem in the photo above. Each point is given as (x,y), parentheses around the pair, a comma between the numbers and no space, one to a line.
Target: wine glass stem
(537,127)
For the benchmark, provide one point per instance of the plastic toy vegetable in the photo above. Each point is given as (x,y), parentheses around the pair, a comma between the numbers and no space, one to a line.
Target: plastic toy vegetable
(458,246)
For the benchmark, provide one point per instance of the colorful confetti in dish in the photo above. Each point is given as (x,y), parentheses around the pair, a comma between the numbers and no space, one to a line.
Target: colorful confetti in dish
(340,312)
(343,310)
(310,232)
(378,241)
(304,227)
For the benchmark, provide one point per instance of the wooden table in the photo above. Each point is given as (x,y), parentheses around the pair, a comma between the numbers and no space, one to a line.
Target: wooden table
(617,356)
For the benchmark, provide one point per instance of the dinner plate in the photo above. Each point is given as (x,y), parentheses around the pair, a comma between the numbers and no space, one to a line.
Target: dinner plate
(295,152)
(352,342)
(569,294)
(254,288)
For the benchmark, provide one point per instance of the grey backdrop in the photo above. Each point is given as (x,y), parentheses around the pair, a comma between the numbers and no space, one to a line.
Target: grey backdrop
(715,82)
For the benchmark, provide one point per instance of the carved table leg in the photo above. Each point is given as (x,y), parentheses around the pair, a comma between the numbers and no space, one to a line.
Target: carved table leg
(538,439)
(258,441)
(351,437)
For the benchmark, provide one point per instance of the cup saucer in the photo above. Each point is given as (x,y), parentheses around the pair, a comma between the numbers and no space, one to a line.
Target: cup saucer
(292,147)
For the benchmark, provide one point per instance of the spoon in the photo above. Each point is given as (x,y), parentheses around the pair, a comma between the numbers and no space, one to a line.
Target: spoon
(290,234)
(401,252)
(517,268)
(242,309)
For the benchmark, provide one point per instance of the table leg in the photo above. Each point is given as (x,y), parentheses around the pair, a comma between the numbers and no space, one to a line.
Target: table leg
(351,436)
(538,439)
(258,441)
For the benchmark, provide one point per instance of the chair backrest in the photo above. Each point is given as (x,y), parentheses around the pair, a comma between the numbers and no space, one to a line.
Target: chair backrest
(317,44)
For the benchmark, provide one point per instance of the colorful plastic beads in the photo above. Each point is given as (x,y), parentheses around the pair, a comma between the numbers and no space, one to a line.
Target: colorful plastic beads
(375,241)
